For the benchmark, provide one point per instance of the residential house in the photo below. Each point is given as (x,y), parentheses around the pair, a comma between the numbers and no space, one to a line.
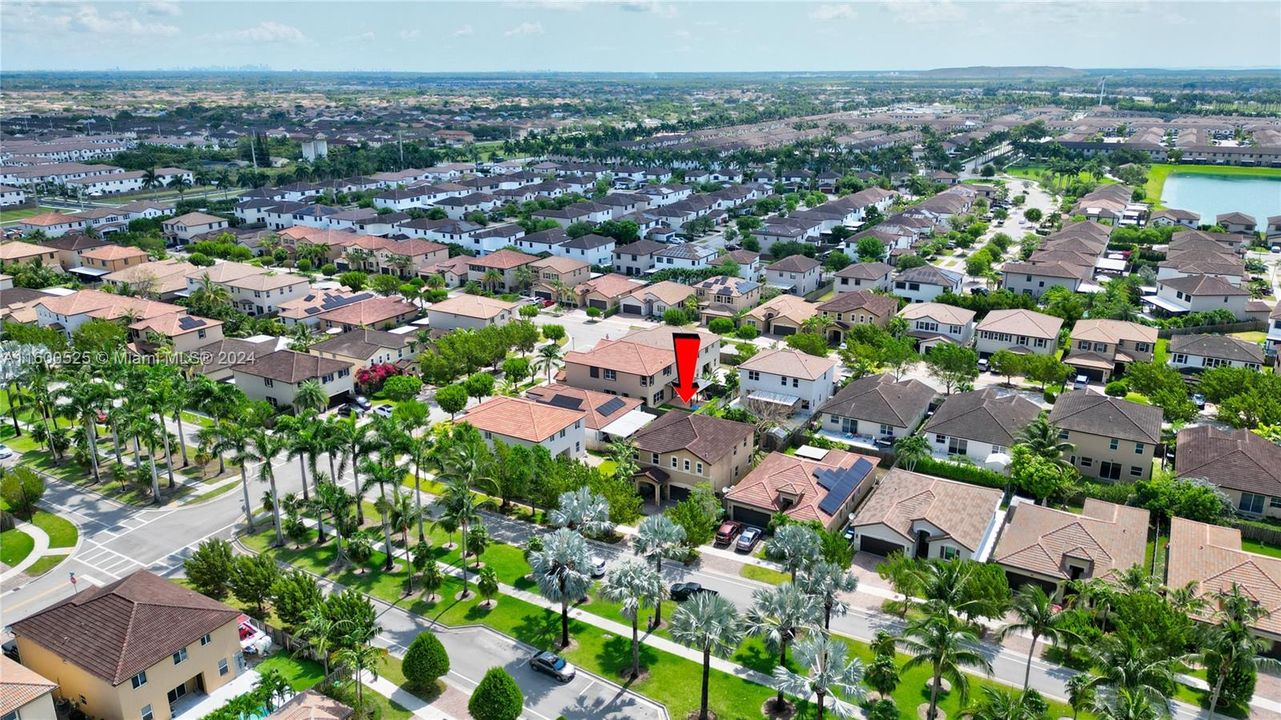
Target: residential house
(926,282)
(860,307)
(1034,278)
(134,648)
(361,347)
(70,246)
(505,267)
(790,379)
(184,227)
(876,408)
(556,277)
(182,333)
(107,259)
(1273,341)
(814,485)
(660,337)
(781,315)
(606,418)
(16,252)
(11,196)
(379,313)
(749,263)
(52,224)
(517,421)
(724,296)
(591,248)
(688,257)
(1102,347)
(864,276)
(680,451)
(276,376)
(927,517)
(1210,559)
(979,425)
(24,693)
(1240,463)
(932,323)
(68,312)
(629,369)
(1274,227)
(652,301)
(605,292)
(1192,353)
(1025,332)
(1044,546)
(1174,216)
(469,312)
(1198,293)
(306,310)
(1113,439)
(637,258)
(217,358)
(161,279)
(795,275)
(1236,222)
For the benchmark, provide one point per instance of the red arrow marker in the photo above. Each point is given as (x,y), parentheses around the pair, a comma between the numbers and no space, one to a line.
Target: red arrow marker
(686,347)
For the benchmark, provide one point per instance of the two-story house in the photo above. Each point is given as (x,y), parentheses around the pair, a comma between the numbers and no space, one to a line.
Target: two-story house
(860,307)
(652,301)
(276,376)
(1198,293)
(517,421)
(556,277)
(505,266)
(926,282)
(629,369)
(932,323)
(1113,439)
(724,296)
(1245,466)
(1017,330)
(362,347)
(469,312)
(795,275)
(979,425)
(680,451)
(184,334)
(1101,347)
(107,259)
(688,257)
(637,258)
(864,276)
(1191,353)
(781,315)
(184,227)
(791,379)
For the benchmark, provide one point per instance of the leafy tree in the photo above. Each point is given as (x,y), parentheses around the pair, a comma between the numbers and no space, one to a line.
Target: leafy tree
(810,343)
(1045,369)
(497,697)
(293,595)
(402,387)
(252,580)
(952,365)
(516,368)
(698,515)
(1007,363)
(869,249)
(480,385)
(211,567)
(21,488)
(1033,475)
(425,662)
(452,399)
(903,574)
(1166,496)
(1032,215)
(554,332)
(911,449)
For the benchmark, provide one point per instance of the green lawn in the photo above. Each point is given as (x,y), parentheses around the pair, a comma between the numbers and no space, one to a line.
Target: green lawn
(1158,173)
(7,216)
(15,546)
(44,564)
(763,574)
(1255,546)
(62,533)
(1160,352)
(300,673)
(1251,336)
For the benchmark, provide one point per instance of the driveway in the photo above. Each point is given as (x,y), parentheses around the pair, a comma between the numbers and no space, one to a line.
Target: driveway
(584,332)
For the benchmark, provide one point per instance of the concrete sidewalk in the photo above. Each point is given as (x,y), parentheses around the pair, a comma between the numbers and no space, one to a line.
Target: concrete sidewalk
(39,550)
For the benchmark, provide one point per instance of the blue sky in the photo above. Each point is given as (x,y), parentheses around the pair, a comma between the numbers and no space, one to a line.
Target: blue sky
(705,36)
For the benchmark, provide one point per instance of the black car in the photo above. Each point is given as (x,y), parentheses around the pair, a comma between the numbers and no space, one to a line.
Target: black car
(550,663)
(686,590)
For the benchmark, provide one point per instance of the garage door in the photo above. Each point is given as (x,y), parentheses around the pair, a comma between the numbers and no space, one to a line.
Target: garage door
(749,516)
(877,546)
(633,309)
(598,304)
(542,295)
(781,330)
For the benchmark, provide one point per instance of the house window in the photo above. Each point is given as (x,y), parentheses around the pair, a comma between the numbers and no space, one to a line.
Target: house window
(1113,444)
(1138,448)
(947,552)
(1180,359)
(753,375)
(205,639)
(1063,434)
(698,468)
(139,680)
(610,374)
(1274,501)
(1087,462)
(146,712)
(180,657)
(1110,470)
(673,461)
(957,446)
(11,716)
(887,430)
(268,382)
(1136,471)
(1252,503)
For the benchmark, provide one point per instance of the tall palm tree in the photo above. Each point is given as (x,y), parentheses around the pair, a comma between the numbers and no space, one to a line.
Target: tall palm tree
(362,657)
(633,585)
(1045,439)
(778,615)
(824,582)
(382,473)
(311,397)
(562,570)
(657,537)
(228,437)
(402,515)
(1229,641)
(264,447)
(1125,664)
(831,675)
(797,546)
(318,631)
(710,624)
(1038,616)
(335,500)
(548,359)
(582,510)
(946,646)
(459,509)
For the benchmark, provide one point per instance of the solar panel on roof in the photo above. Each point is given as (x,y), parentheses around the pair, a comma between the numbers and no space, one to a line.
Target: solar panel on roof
(568,402)
(611,406)
(840,484)
(188,322)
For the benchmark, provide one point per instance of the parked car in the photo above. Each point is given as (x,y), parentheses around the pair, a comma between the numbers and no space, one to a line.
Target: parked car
(1198,399)
(384,410)
(5,452)
(363,403)
(1080,383)
(549,663)
(983,364)
(686,590)
(726,533)
(747,539)
(848,534)
(598,566)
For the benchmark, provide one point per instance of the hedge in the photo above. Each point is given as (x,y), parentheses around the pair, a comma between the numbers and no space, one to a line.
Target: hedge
(971,474)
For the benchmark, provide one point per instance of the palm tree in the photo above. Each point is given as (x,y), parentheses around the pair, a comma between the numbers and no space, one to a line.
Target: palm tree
(582,510)
(228,437)
(311,397)
(318,631)
(656,538)
(708,623)
(1229,642)
(459,509)
(179,183)
(1045,439)
(362,657)
(547,360)
(335,500)
(1038,616)
(778,615)
(796,546)
(149,178)
(562,570)
(832,674)
(1124,704)
(1002,705)
(911,449)
(825,581)
(382,473)
(946,646)
(1125,664)
(402,515)
(492,279)
(633,585)
(263,448)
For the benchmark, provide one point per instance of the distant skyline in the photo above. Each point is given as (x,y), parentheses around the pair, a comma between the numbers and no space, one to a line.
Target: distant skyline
(594,35)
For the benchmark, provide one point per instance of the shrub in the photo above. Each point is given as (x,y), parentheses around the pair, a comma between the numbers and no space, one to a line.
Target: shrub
(497,697)
(425,662)
(1116,388)
(402,387)
(964,473)
(528,311)
(746,332)
(675,316)
(721,326)
(553,332)
(1049,396)
(594,312)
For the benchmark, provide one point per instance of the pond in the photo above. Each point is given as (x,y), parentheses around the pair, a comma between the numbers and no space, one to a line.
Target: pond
(1212,195)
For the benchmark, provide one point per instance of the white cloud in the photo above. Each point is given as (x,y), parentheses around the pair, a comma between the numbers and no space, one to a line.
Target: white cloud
(664,10)
(268,31)
(167,8)
(525,28)
(928,11)
(410,34)
(827,13)
(465,31)
(57,19)
(570,5)
(367,36)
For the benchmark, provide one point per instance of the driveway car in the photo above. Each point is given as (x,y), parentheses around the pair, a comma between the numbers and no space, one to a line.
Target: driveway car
(747,539)
(384,410)
(5,452)
(549,663)
(726,533)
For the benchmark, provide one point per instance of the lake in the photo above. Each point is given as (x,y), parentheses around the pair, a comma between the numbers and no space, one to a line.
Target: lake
(1213,195)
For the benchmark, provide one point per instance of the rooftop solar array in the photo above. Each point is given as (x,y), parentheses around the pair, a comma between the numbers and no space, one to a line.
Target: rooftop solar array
(569,402)
(611,406)
(840,484)
(188,322)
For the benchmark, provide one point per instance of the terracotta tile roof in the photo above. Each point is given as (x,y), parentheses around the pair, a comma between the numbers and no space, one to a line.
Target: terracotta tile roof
(49,219)
(17,250)
(291,367)
(370,312)
(112,252)
(589,401)
(20,685)
(797,479)
(660,337)
(311,705)
(625,357)
(473,306)
(1028,323)
(611,285)
(195,218)
(520,418)
(174,324)
(960,510)
(1237,459)
(1211,556)
(267,281)
(118,630)
(883,400)
(707,437)
(983,416)
(503,260)
(106,306)
(1111,538)
(559,264)
(791,363)
(1112,331)
(878,305)
(221,272)
(944,314)
(668,292)
(1094,414)
(785,307)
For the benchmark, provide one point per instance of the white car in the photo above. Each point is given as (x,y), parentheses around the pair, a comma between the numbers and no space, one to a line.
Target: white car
(5,452)
(384,410)
(598,566)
